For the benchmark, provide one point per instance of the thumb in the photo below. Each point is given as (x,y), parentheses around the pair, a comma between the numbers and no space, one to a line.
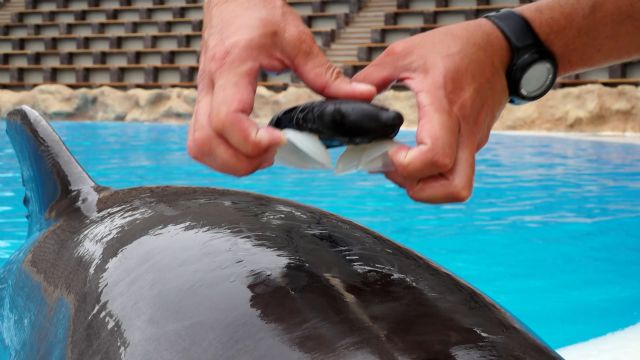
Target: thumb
(315,70)
(437,138)
(381,72)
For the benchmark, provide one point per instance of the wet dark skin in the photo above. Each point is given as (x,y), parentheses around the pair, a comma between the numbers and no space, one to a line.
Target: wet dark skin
(456,72)
(204,273)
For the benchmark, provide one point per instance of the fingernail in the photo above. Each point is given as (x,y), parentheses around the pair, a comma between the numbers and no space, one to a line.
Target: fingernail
(412,153)
(363,87)
(270,135)
(399,153)
(283,138)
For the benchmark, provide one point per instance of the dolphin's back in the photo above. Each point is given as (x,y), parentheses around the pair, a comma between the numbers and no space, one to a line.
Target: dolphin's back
(201,273)
(197,273)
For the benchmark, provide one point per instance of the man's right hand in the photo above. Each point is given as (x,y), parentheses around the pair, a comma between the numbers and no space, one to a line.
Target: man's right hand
(241,37)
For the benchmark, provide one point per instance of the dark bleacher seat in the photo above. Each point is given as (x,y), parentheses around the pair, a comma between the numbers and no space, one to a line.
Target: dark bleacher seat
(101,41)
(605,82)
(130,76)
(628,70)
(350,68)
(135,74)
(368,52)
(421,4)
(155,43)
(391,33)
(156,12)
(439,16)
(101,27)
(102,57)
(339,6)
(124,43)
(619,74)
(84,4)
(336,21)
(305,7)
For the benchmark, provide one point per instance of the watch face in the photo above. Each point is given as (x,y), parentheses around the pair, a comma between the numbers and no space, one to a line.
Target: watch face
(537,80)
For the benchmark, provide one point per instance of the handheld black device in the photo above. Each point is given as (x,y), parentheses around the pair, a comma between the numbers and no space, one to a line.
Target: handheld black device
(341,122)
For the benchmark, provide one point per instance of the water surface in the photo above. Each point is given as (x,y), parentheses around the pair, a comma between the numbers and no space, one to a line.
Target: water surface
(551,232)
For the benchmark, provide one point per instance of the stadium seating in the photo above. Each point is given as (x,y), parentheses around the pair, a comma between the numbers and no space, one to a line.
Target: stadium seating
(411,17)
(128,43)
(627,73)
(155,43)
(426,4)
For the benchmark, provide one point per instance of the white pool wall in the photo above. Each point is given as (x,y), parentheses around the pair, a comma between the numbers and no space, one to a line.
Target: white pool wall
(620,345)
(631,138)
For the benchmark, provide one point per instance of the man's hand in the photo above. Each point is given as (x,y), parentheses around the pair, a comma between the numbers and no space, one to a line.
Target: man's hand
(240,37)
(458,76)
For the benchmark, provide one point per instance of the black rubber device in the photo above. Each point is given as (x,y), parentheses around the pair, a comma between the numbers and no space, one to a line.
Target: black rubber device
(341,122)
(533,68)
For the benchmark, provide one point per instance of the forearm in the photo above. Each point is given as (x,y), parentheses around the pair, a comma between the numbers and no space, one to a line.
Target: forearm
(587,33)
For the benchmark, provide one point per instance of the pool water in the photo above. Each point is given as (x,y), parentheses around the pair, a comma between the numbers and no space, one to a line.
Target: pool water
(552,232)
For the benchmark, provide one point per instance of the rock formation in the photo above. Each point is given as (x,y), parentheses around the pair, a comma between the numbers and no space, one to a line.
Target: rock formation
(591,108)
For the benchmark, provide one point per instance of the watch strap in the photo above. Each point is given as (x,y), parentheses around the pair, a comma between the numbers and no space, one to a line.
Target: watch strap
(515,28)
(526,48)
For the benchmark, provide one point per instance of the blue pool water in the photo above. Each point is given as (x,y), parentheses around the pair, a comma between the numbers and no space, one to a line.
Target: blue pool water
(551,233)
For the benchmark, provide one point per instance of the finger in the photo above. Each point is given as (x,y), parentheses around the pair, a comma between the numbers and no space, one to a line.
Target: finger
(400,180)
(382,71)
(315,70)
(436,137)
(232,103)
(215,152)
(198,149)
(268,159)
(453,186)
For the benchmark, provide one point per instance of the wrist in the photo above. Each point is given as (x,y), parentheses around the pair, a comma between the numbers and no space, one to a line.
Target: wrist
(532,68)
(496,45)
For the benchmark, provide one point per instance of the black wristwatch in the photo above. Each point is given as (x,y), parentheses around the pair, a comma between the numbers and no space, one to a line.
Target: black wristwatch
(533,68)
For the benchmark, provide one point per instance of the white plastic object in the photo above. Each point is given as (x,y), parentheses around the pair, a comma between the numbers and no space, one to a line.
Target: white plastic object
(303,150)
(371,157)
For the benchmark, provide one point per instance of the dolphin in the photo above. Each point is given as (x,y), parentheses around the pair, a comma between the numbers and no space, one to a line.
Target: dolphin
(203,273)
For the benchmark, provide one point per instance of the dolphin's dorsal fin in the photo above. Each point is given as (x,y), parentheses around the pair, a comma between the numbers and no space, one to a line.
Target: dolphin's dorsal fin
(53,179)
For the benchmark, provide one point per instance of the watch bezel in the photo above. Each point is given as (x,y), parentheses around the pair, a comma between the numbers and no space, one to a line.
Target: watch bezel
(522,63)
(526,50)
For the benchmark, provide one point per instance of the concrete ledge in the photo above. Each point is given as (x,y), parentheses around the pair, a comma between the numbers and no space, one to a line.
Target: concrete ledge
(590,108)
(619,345)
